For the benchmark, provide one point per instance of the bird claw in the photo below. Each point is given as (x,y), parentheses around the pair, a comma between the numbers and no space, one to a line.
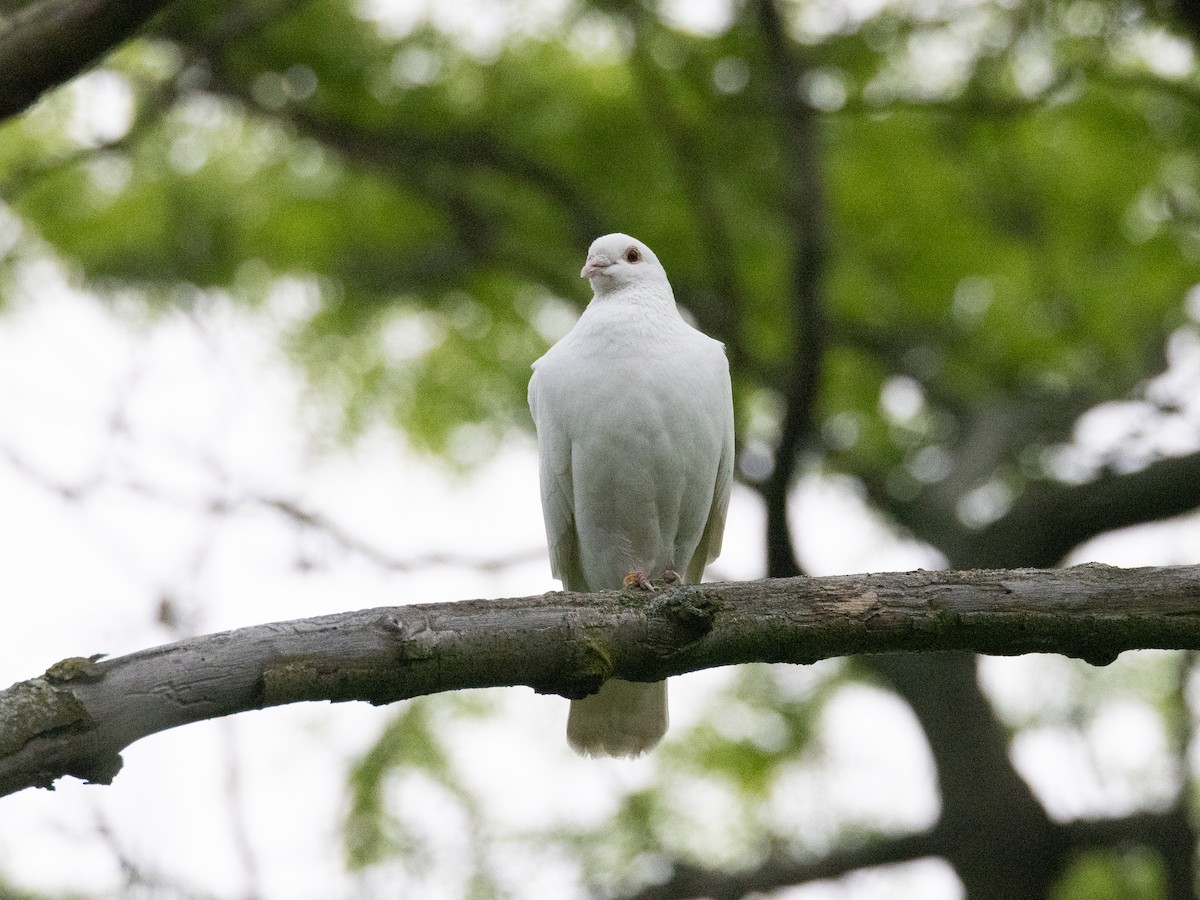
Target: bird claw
(638,579)
(670,576)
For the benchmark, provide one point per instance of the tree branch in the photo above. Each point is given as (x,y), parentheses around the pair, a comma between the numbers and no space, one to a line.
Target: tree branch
(804,201)
(77,717)
(690,881)
(1146,829)
(52,41)
(1051,518)
(723,308)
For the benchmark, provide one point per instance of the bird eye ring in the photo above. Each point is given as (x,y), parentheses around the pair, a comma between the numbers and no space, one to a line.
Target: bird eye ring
(632,255)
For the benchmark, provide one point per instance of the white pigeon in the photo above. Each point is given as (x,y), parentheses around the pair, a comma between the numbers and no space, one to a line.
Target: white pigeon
(634,416)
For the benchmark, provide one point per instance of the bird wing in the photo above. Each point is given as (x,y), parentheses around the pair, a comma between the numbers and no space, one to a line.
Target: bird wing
(709,547)
(558,492)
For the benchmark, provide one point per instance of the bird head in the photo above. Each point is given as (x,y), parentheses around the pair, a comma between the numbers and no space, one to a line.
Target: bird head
(618,260)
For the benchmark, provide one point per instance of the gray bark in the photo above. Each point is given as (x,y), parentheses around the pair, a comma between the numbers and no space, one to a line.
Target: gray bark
(77,717)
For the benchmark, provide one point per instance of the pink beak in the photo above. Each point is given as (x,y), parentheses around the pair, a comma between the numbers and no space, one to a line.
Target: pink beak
(594,266)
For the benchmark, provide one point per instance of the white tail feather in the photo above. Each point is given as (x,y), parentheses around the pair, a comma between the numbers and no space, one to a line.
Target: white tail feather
(623,718)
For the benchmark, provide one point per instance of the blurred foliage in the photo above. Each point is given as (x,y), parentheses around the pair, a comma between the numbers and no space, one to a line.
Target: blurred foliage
(711,797)
(1013,197)
(392,787)
(9,893)
(1125,876)
(437,198)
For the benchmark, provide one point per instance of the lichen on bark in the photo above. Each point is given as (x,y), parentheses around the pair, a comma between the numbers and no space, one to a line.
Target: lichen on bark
(36,708)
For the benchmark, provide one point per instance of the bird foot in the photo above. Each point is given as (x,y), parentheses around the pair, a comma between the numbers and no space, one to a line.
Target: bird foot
(670,577)
(637,579)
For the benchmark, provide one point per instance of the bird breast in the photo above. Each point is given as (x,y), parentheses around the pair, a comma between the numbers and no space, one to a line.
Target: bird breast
(646,439)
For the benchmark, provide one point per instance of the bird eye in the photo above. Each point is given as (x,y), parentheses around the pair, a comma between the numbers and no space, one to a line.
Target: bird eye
(633,255)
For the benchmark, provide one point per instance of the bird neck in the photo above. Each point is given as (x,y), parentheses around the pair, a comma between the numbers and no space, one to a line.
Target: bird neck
(630,318)
(647,300)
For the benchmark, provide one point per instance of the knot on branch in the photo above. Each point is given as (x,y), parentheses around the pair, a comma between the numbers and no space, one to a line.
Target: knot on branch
(690,610)
(76,668)
(37,717)
(587,664)
(680,619)
(412,639)
(1094,656)
(36,709)
(592,666)
(100,768)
